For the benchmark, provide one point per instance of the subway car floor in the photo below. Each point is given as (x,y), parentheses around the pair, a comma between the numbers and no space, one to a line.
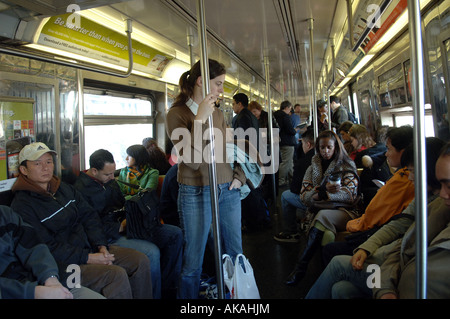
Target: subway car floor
(272,261)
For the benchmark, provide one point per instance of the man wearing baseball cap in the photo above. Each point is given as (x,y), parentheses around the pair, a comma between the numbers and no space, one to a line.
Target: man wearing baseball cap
(72,229)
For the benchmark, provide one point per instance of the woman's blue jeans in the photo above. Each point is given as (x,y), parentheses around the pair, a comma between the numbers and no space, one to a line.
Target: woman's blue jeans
(194,205)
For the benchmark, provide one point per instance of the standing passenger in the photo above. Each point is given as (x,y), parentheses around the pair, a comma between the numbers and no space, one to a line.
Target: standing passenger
(186,124)
(287,142)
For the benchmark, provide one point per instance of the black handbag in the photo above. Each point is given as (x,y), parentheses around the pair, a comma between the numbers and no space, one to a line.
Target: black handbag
(142,214)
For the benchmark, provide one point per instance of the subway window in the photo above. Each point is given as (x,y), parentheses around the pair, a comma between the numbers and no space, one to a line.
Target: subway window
(114,122)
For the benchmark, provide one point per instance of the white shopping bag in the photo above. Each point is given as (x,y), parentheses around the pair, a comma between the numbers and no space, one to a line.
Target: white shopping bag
(228,272)
(239,278)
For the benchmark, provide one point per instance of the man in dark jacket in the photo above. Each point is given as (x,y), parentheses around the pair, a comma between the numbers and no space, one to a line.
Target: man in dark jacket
(287,142)
(339,112)
(290,199)
(164,249)
(72,229)
(244,120)
(28,269)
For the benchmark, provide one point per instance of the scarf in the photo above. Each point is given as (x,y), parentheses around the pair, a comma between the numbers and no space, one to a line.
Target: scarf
(134,173)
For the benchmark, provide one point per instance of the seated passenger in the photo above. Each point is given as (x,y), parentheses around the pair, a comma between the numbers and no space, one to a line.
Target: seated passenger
(28,269)
(290,199)
(138,172)
(390,200)
(72,229)
(330,159)
(168,207)
(158,159)
(344,130)
(375,166)
(346,276)
(102,192)
(361,140)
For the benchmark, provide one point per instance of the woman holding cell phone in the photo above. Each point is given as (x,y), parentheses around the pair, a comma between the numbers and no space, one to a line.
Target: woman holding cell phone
(332,176)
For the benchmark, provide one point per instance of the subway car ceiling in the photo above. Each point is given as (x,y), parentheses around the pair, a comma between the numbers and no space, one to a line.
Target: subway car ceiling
(247,36)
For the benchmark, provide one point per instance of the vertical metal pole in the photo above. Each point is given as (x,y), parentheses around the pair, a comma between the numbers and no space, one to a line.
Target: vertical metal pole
(204,64)
(420,178)
(313,78)
(81,141)
(269,107)
(350,23)
(328,97)
(333,78)
(270,132)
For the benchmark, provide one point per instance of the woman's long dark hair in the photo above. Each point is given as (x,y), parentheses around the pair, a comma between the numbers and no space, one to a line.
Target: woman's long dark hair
(140,154)
(340,154)
(188,79)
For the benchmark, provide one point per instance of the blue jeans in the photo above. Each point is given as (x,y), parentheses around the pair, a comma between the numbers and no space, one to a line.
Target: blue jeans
(153,254)
(194,205)
(340,281)
(289,204)
(164,249)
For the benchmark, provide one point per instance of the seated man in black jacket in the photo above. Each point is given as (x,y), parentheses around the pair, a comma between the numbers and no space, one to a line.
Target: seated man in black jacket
(72,229)
(164,249)
(28,269)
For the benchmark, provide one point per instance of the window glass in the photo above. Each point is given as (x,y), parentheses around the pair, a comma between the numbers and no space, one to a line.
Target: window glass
(116,106)
(115,138)
(409,120)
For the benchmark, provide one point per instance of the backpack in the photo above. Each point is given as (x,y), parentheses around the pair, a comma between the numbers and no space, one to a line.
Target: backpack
(142,214)
(352,117)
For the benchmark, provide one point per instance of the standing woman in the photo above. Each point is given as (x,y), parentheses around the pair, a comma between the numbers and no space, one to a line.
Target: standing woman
(331,176)
(138,171)
(186,123)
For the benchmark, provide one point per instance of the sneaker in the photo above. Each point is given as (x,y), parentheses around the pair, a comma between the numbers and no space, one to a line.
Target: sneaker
(287,238)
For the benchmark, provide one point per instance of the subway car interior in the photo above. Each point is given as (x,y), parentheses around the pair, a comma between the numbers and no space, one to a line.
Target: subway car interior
(80,75)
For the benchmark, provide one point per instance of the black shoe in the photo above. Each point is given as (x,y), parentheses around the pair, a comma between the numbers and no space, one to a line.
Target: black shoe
(314,239)
(295,277)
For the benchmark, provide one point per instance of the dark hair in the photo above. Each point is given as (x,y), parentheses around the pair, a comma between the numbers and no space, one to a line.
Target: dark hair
(400,137)
(335,98)
(157,157)
(321,103)
(242,98)
(339,151)
(285,105)
(345,126)
(139,153)
(433,146)
(99,158)
(308,134)
(188,79)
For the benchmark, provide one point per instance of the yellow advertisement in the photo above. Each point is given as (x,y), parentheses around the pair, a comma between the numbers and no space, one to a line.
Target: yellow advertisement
(17,130)
(96,41)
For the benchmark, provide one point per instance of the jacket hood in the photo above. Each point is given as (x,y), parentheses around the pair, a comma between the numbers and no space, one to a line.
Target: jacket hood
(23,183)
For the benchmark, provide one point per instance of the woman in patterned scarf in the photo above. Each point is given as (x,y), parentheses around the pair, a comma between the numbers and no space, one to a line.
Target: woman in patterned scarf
(332,176)
(138,172)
